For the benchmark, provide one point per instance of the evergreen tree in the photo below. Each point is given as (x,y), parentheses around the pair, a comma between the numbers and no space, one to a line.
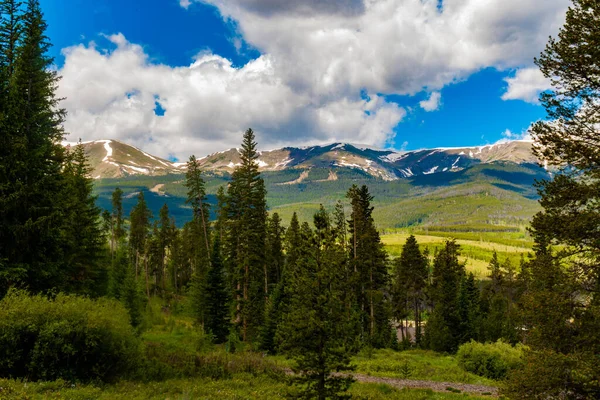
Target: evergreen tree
(559,306)
(84,249)
(444,329)
(247,215)
(31,157)
(315,330)
(217,298)
(274,250)
(469,310)
(280,298)
(409,284)
(196,196)
(165,240)
(369,261)
(138,234)
(117,231)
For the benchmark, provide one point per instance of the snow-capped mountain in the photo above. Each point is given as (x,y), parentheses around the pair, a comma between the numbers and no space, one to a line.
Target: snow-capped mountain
(113,159)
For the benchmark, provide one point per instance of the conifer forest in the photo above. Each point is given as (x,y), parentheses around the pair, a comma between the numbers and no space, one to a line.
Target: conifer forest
(239,302)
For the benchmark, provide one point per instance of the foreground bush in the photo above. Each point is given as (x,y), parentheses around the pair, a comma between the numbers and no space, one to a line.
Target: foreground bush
(491,360)
(69,337)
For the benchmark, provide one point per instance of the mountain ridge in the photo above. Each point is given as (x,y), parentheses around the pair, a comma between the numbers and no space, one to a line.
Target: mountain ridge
(113,159)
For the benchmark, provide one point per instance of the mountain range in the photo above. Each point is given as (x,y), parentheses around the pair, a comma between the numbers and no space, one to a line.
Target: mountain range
(114,159)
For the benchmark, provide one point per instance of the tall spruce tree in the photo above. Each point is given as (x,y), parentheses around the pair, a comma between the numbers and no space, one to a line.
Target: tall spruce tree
(443,332)
(84,251)
(196,197)
(138,234)
(217,297)
(274,250)
(409,283)
(560,305)
(32,246)
(370,272)
(117,220)
(315,331)
(247,217)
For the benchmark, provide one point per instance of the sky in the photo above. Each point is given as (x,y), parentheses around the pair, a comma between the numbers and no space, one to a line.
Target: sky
(182,77)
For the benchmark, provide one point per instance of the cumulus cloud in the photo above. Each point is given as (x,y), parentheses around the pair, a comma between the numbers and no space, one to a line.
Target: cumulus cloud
(526,85)
(207,105)
(393,46)
(509,135)
(318,59)
(185,3)
(432,103)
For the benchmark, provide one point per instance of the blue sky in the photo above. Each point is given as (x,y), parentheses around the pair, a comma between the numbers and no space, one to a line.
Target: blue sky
(298,74)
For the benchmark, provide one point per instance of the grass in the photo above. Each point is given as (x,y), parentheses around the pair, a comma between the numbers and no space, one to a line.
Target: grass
(424,365)
(239,387)
(185,365)
(476,254)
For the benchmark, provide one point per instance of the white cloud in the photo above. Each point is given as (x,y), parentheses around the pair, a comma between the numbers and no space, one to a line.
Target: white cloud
(526,85)
(185,3)
(112,94)
(393,46)
(317,58)
(509,135)
(433,103)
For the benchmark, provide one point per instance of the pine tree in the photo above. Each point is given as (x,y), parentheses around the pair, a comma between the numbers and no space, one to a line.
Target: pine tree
(443,330)
(138,236)
(247,215)
(274,250)
(117,225)
(409,284)
(165,240)
(84,251)
(31,158)
(469,311)
(217,298)
(559,305)
(196,196)
(315,330)
(369,262)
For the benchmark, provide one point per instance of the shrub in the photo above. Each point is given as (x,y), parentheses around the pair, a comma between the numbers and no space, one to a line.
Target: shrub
(68,337)
(491,360)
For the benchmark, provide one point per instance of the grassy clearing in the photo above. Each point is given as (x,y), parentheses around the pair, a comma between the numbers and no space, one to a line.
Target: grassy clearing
(475,254)
(240,387)
(423,364)
(183,364)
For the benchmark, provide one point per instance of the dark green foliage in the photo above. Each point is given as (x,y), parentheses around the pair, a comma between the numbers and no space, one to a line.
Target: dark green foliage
(84,241)
(138,236)
(370,272)
(274,250)
(444,327)
(69,337)
(559,306)
(196,196)
(469,309)
(217,297)
(117,220)
(245,240)
(410,277)
(32,249)
(317,331)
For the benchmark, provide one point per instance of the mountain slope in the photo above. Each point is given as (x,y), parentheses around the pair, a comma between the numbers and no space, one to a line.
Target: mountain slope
(112,159)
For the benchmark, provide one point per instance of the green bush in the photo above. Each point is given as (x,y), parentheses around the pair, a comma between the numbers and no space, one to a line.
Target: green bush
(491,360)
(68,337)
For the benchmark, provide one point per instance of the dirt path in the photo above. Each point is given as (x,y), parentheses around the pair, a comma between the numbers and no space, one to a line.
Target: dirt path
(435,386)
